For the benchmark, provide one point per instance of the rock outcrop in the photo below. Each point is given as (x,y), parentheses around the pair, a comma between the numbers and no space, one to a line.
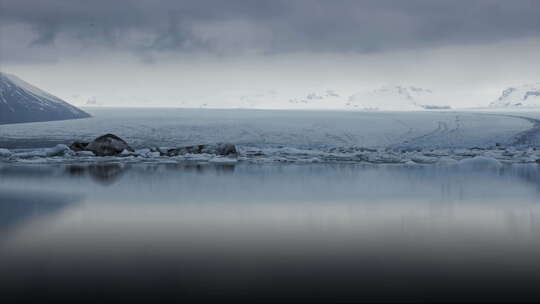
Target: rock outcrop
(105,145)
(112,145)
(108,145)
(223,149)
(78,146)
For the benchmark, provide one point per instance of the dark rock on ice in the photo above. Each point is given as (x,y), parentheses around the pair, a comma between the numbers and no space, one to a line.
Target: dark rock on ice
(78,146)
(223,149)
(108,145)
(197,149)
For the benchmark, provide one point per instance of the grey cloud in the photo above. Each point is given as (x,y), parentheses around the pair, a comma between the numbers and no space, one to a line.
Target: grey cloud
(45,36)
(278,26)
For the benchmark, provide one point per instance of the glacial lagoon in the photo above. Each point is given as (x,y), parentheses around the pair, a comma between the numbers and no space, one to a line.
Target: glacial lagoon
(270,232)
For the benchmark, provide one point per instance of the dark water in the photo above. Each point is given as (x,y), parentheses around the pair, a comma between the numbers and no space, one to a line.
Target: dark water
(269,233)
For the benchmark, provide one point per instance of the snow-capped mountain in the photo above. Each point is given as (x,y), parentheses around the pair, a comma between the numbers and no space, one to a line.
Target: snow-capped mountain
(22,102)
(523,97)
(325,99)
(395,97)
(385,98)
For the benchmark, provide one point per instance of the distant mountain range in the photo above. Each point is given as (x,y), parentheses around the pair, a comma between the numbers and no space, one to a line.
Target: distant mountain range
(385,98)
(396,97)
(22,102)
(525,96)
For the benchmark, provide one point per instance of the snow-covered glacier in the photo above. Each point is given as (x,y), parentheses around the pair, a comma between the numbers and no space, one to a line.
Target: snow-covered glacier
(285,136)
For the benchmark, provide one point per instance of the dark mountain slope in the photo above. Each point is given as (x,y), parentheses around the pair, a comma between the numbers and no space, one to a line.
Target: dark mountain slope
(22,102)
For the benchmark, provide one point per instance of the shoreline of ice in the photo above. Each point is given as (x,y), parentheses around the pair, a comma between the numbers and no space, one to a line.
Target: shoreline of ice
(484,157)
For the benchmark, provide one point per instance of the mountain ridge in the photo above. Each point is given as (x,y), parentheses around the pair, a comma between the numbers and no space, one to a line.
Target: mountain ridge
(523,96)
(22,102)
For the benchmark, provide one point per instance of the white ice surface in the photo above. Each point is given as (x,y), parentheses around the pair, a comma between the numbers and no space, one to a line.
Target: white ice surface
(144,128)
(300,136)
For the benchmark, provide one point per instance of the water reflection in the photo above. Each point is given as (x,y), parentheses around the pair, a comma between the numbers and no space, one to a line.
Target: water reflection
(109,173)
(221,169)
(105,174)
(17,207)
(272,232)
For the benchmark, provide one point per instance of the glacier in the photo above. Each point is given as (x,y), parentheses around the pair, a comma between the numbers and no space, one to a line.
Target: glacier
(265,136)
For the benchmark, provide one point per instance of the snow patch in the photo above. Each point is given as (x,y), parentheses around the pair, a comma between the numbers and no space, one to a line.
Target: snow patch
(524,96)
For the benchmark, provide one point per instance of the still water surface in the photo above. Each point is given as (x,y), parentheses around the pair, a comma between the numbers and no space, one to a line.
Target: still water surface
(271,233)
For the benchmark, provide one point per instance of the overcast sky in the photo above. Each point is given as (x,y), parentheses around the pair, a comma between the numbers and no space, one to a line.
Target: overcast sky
(469,50)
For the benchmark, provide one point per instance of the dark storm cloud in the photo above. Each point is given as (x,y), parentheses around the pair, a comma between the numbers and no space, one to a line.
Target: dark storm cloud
(233,27)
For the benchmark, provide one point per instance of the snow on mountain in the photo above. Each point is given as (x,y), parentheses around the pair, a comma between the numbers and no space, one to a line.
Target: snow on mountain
(390,98)
(254,99)
(327,99)
(22,102)
(257,99)
(393,97)
(386,98)
(524,96)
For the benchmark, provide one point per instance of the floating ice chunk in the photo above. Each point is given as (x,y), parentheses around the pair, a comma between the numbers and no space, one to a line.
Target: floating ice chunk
(338,157)
(222,160)
(4,153)
(34,160)
(153,154)
(529,159)
(142,152)
(32,154)
(386,158)
(466,152)
(58,150)
(435,153)
(480,162)
(196,157)
(147,153)
(521,147)
(126,153)
(490,154)
(424,159)
(447,161)
(85,153)
(163,150)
